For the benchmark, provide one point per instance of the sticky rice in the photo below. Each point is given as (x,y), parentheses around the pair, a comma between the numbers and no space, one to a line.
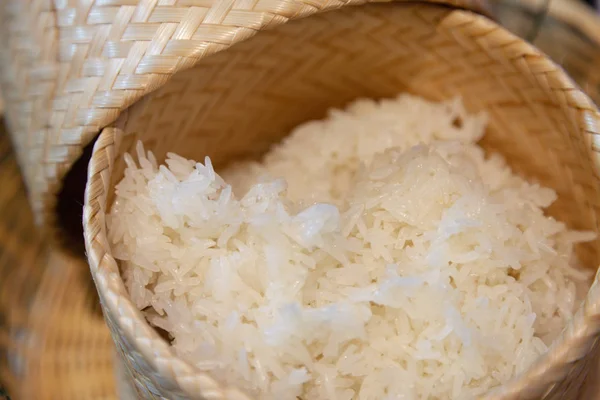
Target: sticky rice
(377,254)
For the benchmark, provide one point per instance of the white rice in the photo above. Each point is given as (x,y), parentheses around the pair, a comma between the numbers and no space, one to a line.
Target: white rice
(359,267)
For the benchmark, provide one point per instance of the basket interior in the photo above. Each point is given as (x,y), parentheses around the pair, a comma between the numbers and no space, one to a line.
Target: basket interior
(235,104)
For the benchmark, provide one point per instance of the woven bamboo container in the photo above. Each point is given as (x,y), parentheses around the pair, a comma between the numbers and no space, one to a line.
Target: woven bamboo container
(238,102)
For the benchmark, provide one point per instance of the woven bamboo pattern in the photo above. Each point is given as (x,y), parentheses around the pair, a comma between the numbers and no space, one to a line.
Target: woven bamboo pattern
(236,103)
(53,341)
(68,68)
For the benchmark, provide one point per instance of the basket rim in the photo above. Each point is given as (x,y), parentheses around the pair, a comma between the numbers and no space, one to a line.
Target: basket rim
(549,369)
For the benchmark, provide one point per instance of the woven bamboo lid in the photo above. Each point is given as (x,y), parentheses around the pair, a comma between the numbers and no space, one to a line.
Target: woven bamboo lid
(69,68)
(236,103)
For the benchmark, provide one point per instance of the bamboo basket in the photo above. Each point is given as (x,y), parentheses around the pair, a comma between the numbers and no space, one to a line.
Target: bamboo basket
(238,102)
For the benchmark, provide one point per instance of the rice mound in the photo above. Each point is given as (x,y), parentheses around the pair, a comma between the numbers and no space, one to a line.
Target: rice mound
(376,254)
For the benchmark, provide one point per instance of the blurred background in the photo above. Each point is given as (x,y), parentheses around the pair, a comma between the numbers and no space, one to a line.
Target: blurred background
(68,355)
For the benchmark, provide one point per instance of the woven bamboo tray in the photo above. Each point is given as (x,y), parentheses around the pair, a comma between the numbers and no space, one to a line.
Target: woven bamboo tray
(61,362)
(568,31)
(53,341)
